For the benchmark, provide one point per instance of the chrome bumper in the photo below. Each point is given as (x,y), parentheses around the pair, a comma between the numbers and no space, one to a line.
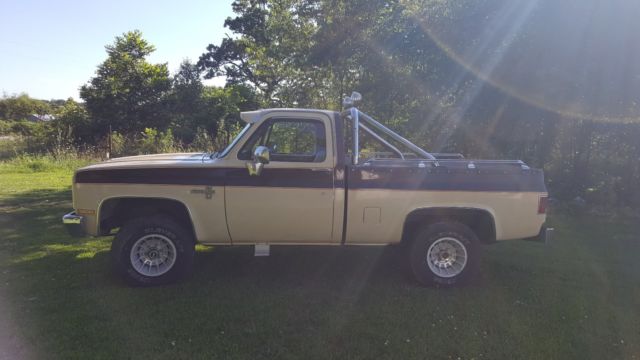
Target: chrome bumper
(74,224)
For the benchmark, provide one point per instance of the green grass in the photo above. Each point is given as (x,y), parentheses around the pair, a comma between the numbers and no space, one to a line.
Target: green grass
(578,297)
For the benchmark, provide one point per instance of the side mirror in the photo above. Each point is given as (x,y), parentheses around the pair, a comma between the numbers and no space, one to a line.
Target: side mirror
(260,158)
(261,155)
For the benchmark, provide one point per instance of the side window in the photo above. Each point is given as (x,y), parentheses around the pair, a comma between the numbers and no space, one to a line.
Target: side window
(289,140)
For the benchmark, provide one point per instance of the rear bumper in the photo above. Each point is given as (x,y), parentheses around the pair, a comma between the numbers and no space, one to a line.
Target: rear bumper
(74,224)
(545,236)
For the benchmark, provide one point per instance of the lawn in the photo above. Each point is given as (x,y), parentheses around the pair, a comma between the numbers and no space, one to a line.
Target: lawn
(578,297)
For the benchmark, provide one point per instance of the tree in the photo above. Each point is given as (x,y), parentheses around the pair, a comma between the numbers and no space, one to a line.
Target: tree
(186,98)
(199,108)
(212,109)
(128,93)
(72,122)
(270,55)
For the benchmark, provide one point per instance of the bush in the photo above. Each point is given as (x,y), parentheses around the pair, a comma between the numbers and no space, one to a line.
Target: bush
(202,142)
(154,141)
(5,127)
(118,144)
(226,132)
(12,145)
(25,128)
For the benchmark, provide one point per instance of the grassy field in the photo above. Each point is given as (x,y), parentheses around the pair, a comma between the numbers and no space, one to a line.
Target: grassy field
(578,297)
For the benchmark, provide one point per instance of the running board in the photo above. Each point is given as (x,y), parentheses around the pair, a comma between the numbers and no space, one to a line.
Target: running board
(261,250)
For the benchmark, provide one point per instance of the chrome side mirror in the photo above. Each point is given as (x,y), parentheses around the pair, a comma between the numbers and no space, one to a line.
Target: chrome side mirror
(260,158)
(261,155)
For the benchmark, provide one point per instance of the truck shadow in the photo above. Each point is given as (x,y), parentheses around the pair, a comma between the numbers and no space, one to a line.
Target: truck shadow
(37,198)
(299,265)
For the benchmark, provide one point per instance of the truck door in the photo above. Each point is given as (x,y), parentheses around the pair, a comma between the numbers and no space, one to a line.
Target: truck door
(292,200)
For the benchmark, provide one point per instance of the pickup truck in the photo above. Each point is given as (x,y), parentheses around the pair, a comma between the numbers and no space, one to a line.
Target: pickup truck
(307,177)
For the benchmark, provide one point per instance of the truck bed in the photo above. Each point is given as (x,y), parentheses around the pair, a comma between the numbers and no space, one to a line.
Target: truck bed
(450,174)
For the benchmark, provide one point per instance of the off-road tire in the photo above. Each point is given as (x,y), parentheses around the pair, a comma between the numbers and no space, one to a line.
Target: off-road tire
(436,232)
(165,228)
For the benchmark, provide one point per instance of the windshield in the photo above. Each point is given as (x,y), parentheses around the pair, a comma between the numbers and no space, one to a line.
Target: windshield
(234,142)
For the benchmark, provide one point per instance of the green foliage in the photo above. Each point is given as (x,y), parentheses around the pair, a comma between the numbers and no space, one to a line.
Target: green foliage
(226,133)
(11,146)
(35,136)
(210,108)
(270,53)
(5,127)
(72,120)
(154,141)
(128,93)
(203,141)
(24,128)
(118,144)
(19,107)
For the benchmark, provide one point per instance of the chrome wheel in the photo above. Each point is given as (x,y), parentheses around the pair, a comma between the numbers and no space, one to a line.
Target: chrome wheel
(447,257)
(153,255)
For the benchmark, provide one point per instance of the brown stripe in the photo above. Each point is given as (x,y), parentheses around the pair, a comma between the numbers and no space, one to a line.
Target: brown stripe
(359,177)
(304,178)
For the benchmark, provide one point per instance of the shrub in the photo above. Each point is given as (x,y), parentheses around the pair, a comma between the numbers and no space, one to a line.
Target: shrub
(11,146)
(26,128)
(154,141)
(226,132)
(118,144)
(202,142)
(5,127)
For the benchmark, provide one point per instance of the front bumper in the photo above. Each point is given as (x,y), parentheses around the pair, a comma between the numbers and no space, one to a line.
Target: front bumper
(74,224)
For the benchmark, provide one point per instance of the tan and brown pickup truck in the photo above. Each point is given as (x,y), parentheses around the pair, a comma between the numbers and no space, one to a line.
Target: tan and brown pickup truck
(307,177)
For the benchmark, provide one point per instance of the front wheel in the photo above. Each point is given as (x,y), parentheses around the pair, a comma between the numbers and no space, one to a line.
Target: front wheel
(152,250)
(444,254)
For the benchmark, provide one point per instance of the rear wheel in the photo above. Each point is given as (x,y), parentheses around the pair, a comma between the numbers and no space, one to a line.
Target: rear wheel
(152,250)
(444,254)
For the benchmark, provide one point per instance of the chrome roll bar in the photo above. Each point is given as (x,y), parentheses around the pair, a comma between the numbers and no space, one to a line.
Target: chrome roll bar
(383,141)
(413,147)
(355,118)
(358,119)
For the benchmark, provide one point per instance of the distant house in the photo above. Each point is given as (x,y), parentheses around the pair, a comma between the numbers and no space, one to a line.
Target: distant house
(38,118)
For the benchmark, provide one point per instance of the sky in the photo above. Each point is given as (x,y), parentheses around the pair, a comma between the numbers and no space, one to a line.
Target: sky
(48,49)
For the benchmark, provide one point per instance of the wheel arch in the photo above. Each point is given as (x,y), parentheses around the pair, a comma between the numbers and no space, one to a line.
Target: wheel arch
(481,221)
(114,211)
